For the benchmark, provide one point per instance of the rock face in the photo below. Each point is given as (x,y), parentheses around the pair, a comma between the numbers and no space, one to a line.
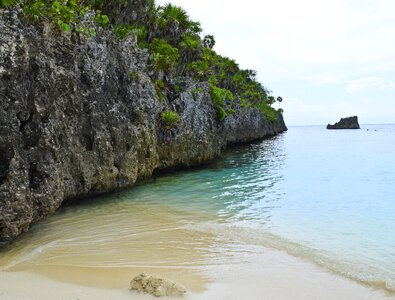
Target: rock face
(157,287)
(345,123)
(73,123)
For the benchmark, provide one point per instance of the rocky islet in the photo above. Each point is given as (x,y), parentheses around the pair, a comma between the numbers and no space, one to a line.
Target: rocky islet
(345,123)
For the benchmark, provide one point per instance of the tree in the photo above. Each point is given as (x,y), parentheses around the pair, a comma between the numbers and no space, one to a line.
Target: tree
(209,41)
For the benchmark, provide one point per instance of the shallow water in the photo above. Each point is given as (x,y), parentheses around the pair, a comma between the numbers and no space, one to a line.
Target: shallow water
(326,196)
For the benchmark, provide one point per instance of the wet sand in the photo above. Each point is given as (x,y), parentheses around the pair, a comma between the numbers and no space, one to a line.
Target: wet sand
(80,254)
(270,274)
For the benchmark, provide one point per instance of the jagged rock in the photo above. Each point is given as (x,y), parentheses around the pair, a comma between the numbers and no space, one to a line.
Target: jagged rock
(73,123)
(156,286)
(345,123)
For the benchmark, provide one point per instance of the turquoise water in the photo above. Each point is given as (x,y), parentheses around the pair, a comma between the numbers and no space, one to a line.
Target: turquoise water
(325,196)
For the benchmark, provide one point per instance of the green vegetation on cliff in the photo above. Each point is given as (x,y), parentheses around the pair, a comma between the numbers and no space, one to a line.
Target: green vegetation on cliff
(170,119)
(177,49)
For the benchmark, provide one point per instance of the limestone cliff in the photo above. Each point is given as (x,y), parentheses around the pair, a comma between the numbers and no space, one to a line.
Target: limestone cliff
(73,123)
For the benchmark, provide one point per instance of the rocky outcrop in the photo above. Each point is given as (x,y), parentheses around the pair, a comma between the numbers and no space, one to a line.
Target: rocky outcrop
(155,286)
(345,123)
(74,123)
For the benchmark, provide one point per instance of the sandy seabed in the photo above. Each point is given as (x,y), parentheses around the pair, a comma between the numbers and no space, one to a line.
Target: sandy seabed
(274,275)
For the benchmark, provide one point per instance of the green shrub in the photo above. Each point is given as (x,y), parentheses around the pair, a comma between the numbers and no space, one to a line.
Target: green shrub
(196,91)
(271,100)
(268,112)
(159,86)
(220,97)
(67,14)
(200,69)
(170,14)
(165,56)
(190,42)
(121,31)
(134,76)
(190,48)
(177,89)
(222,113)
(102,20)
(170,119)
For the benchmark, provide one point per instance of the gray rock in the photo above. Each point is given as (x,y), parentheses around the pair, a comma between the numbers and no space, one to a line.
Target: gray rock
(156,286)
(345,123)
(74,124)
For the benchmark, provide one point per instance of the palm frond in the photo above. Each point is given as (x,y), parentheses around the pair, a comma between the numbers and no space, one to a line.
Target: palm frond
(8,3)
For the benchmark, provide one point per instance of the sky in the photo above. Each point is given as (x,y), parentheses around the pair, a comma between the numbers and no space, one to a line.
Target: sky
(327,59)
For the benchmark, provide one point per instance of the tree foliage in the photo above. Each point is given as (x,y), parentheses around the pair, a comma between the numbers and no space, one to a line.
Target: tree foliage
(67,14)
(209,41)
(164,56)
(8,3)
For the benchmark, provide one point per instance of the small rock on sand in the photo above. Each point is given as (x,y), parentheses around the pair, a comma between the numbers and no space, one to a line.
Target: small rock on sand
(156,286)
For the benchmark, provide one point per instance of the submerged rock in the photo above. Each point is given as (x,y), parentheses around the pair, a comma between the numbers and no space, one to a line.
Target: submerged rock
(156,286)
(345,123)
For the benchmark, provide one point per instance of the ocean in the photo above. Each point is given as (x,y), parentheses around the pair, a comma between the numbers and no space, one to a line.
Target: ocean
(326,196)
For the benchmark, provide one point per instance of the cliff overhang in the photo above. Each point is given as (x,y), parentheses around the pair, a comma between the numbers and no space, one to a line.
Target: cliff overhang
(73,123)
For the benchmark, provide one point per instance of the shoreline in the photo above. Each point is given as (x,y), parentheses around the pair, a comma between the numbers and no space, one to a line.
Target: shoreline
(272,273)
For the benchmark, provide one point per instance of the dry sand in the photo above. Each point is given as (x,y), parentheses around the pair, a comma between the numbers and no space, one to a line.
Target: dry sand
(274,275)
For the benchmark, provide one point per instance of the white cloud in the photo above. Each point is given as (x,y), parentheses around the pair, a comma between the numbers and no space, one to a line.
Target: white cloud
(368,83)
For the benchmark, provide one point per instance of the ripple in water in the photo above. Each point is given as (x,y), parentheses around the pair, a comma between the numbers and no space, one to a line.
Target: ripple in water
(326,196)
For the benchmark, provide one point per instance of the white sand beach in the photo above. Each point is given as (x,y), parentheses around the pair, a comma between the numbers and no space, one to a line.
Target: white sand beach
(274,275)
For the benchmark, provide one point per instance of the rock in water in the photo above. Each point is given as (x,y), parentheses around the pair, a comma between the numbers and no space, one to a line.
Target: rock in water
(345,123)
(156,286)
